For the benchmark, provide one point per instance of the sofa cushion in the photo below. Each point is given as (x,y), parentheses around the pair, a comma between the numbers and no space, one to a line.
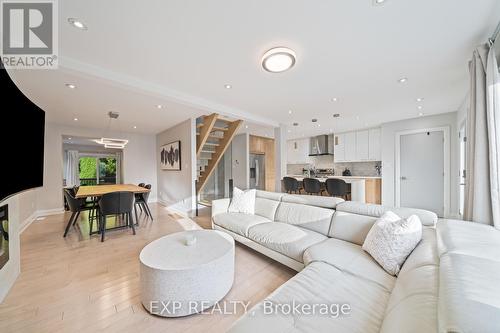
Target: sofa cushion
(309,217)
(320,283)
(238,222)
(351,227)
(266,207)
(469,271)
(269,195)
(426,217)
(312,200)
(284,238)
(351,259)
(413,302)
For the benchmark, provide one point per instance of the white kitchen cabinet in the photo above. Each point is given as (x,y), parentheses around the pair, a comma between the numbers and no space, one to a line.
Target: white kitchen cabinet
(339,148)
(374,144)
(362,150)
(350,146)
(358,146)
(298,151)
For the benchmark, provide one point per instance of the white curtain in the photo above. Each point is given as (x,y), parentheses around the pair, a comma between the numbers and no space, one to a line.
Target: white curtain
(482,189)
(72,168)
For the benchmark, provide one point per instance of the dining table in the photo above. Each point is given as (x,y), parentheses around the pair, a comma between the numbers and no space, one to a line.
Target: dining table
(100,190)
(96,191)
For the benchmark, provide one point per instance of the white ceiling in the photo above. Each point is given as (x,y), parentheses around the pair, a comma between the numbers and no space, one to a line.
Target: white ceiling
(181,53)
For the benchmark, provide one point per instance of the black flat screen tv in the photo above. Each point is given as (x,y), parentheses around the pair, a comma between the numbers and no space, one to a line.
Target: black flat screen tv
(22,140)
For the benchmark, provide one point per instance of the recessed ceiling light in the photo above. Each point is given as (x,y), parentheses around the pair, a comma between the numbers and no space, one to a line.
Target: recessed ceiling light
(420,107)
(403,80)
(290,111)
(69,138)
(75,119)
(228,86)
(378,2)
(135,127)
(70,86)
(420,114)
(246,126)
(77,23)
(278,59)
(420,99)
(289,131)
(334,99)
(159,106)
(319,125)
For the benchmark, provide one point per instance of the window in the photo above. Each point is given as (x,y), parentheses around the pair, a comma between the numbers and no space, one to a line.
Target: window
(96,170)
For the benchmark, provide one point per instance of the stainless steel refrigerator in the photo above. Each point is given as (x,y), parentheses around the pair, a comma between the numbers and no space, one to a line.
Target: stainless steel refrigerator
(258,171)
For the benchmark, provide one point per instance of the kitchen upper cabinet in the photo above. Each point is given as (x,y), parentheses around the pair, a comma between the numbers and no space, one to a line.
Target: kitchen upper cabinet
(374,144)
(339,148)
(298,151)
(358,146)
(362,146)
(350,146)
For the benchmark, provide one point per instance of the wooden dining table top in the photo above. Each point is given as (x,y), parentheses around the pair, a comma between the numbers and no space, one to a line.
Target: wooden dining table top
(100,190)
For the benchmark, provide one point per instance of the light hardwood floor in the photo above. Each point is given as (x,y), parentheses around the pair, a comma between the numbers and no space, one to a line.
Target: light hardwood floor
(78,284)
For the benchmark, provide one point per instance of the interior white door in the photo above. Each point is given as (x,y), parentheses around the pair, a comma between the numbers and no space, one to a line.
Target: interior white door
(422,171)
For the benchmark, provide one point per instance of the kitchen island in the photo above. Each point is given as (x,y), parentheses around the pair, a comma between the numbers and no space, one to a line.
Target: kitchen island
(366,189)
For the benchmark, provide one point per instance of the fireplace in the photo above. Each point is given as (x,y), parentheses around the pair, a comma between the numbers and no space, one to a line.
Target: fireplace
(4,235)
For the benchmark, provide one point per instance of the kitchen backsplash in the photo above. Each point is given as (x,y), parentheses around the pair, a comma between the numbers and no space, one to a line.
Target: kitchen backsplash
(366,169)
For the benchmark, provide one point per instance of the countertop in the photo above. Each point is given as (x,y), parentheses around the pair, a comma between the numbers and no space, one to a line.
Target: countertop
(341,177)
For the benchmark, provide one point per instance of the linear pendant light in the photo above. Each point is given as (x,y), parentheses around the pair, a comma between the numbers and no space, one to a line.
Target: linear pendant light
(112,142)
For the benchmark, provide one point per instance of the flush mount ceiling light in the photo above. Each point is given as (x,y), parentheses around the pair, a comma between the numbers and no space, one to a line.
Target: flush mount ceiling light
(420,99)
(112,142)
(77,23)
(228,86)
(403,80)
(70,86)
(278,59)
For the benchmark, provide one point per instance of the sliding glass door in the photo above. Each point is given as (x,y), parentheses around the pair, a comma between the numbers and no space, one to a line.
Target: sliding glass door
(97,170)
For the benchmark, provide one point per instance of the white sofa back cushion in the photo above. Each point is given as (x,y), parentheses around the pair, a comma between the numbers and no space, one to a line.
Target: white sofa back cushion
(312,200)
(391,240)
(309,217)
(266,207)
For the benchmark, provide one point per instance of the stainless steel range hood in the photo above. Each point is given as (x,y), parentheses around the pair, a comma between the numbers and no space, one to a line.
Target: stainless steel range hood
(321,145)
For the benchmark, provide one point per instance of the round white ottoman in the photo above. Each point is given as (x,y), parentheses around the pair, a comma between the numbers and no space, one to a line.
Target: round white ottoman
(178,279)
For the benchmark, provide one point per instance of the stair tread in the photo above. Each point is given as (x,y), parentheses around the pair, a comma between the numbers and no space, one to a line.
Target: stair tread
(212,144)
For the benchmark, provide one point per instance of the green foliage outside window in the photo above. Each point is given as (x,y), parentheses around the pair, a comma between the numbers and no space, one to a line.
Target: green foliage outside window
(88,167)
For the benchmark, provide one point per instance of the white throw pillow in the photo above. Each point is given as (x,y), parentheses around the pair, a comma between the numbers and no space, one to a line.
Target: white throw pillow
(391,240)
(243,201)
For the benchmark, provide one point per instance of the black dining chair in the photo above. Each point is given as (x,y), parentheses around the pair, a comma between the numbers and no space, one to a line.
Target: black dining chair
(142,184)
(76,206)
(141,200)
(116,203)
(337,188)
(291,185)
(312,186)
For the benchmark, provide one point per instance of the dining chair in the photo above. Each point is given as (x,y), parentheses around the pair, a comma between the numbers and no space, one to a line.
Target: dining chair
(116,203)
(337,188)
(291,185)
(142,184)
(76,206)
(312,186)
(141,199)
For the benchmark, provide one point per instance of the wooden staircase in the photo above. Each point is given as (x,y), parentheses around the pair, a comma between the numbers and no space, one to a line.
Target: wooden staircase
(213,136)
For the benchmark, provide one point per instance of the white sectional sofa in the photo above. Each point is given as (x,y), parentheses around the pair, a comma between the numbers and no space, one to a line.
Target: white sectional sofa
(449,283)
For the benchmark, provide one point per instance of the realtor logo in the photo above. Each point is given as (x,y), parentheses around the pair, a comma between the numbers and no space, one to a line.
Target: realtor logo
(29,34)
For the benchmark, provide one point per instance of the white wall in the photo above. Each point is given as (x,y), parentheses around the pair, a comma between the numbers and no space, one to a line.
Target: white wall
(389,131)
(176,189)
(240,161)
(21,211)
(139,162)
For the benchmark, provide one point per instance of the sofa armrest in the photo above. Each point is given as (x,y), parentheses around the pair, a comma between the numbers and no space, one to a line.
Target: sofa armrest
(220,206)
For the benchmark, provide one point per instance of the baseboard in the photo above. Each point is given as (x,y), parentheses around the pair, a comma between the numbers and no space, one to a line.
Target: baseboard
(175,210)
(39,213)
